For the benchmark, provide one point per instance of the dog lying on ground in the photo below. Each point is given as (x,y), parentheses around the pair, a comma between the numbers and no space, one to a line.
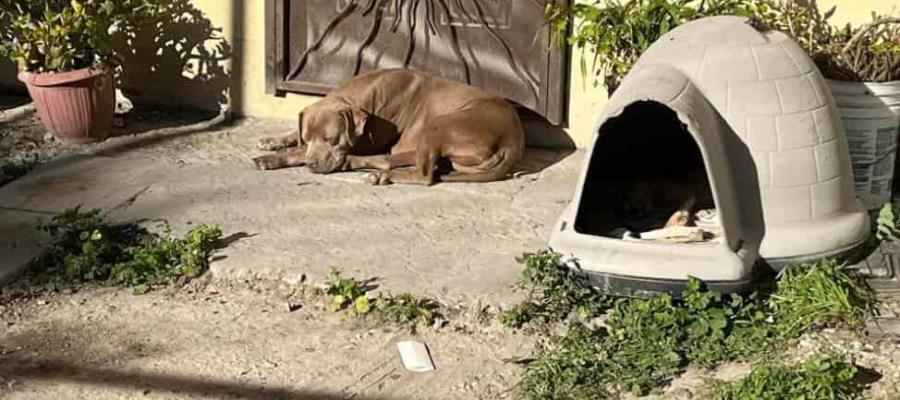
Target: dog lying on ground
(408,127)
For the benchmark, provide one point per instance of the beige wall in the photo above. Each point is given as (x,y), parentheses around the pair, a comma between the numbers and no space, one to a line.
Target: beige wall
(242,26)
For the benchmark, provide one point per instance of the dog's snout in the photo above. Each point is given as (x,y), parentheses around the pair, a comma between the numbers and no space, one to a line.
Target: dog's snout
(321,166)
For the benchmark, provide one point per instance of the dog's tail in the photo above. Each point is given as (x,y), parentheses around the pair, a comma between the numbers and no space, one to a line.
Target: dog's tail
(498,167)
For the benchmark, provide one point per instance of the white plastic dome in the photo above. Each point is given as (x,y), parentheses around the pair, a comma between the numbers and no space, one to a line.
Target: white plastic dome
(767,134)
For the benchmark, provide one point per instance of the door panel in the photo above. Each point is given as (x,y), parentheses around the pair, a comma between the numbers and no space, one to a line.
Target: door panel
(500,45)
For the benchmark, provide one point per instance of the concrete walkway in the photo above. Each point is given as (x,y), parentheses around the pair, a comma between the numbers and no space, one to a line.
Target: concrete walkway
(455,241)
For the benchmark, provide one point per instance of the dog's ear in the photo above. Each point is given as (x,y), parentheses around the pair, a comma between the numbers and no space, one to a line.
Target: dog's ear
(360,119)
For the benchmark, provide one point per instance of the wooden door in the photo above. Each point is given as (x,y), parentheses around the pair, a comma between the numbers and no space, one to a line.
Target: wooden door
(499,45)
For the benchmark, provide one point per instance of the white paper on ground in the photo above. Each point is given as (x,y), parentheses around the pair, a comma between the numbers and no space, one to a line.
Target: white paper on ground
(415,356)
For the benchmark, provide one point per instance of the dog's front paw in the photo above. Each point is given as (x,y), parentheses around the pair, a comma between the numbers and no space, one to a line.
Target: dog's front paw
(269,144)
(267,162)
(379,178)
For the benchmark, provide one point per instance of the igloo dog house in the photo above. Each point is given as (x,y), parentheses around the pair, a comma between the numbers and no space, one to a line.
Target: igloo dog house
(716,115)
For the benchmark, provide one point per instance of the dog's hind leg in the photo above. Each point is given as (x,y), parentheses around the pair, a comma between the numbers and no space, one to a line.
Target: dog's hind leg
(275,143)
(287,159)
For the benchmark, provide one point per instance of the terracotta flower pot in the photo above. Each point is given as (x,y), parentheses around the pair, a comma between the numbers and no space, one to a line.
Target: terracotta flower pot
(76,106)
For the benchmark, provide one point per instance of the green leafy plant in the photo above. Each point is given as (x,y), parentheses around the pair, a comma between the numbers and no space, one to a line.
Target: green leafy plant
(64,35)
(85,248)
(567,367)
(820,294)
(347,293)
(405,310)
(646,342)
(723,328)
(555,292)
(617,32)
(886,223)
(819,377)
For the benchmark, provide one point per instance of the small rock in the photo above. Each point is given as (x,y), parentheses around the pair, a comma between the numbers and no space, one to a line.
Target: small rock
(733,371)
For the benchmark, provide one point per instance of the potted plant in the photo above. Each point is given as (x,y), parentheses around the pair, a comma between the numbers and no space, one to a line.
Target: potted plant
(65,57)
(862,65)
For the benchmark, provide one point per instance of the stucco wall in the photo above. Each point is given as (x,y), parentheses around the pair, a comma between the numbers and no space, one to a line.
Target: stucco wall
(242,24)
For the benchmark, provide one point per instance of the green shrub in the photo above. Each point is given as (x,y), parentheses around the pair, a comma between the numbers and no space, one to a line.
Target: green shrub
(617,32)
(87,249)
(555,292)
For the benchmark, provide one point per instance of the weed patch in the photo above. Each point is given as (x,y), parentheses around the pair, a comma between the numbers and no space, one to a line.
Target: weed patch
(353,296)
(87,249)
(555,293)
(648,342)
(820,295)
(819,377)
(568,367)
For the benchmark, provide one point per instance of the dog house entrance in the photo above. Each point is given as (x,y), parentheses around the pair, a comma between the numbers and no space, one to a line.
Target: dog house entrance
(647,181)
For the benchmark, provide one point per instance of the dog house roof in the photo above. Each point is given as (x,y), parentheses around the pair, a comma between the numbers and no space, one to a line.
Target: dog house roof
(775,100)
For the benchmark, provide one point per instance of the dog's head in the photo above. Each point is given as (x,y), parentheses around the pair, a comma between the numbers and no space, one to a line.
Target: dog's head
(329,129)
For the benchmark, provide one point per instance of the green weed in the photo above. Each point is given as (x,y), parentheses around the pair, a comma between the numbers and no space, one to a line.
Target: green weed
(568,367)
(347,292)
(85,248)
(404,310)
(819,295)
(555,293)
(819,377)
(886,223)
(648,342)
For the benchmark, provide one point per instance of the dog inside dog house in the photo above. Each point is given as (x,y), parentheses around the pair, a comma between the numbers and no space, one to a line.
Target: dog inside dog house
(641,183)
(721,151)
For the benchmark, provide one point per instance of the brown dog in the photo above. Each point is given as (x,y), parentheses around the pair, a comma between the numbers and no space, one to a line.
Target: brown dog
(409,127)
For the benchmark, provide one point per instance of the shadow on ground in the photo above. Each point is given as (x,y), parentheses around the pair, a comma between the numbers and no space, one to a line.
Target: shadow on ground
(29,369)
(10,101)
(81,361)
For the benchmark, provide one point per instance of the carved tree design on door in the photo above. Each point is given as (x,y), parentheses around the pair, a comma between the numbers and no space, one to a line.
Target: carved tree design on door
(500,45)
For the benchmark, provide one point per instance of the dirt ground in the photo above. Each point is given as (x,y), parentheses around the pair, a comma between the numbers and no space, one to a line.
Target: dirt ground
(218,340)
(232,334)
(215,339)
